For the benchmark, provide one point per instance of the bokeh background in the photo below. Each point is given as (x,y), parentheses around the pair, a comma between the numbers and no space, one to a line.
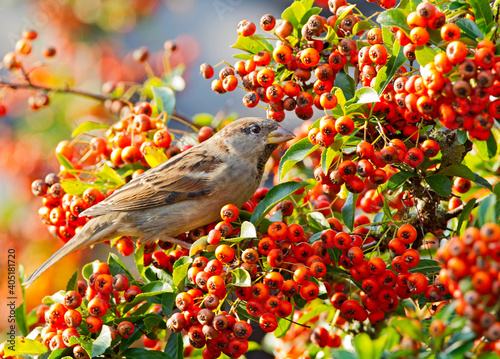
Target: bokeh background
(94,41)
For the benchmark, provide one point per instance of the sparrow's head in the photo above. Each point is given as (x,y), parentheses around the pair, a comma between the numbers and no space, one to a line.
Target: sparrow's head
(254,135)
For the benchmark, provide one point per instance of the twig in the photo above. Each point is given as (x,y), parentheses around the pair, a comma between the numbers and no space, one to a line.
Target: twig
(67,90)
(294,322)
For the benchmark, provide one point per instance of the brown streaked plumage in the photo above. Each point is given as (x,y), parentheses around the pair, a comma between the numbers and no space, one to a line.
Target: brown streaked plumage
(183,193)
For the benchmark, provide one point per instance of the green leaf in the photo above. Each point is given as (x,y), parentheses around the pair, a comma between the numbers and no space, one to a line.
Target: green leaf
(469,28)
(139,261)
(343,13)
(309,13)
(164,99)
(343,354)
(362,96)
(167,303)
(324,308)
(155,288)
(240,278)
(24,346)
(275,195)
(327,157)
(331,35)
(346,84)
(181,267)
(482,14)
(253,346)
(440,184)
(455,5)
(379,345)
(203,119)
(394,17)
(349,209)
(464,216)
(58,354)
(341,101)
(409,5)
(155,156)
(73,282)
(426,266)
(317,221)
(480,181)
(386,73)
(77,188)
(248,230)
(141,353)
(486,212)
(63,161)
(175,346)
(388,38)
(398,179)
(20,312)
(488,356)
(198,246)
(486,149)
(289,14)
(461,137)
(102,342)
(457,170)
(284,325)
(31,320)
(87,271)
(152,321)
(252,44)
(117,266)
(362,25)
(57,297)
(299,12)
(148,91)
(410,327)
(109,175)
(363,345)
(296,153)
(150,290)
(89,126)
(424,55)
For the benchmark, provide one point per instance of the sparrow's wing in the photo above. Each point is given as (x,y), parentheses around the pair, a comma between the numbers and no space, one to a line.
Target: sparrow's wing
(185,176)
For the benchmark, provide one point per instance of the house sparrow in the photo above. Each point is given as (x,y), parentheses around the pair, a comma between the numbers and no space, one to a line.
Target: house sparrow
(183,193)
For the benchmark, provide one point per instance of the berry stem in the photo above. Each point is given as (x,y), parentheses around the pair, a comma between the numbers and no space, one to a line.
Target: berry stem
(183,121)
(294,322)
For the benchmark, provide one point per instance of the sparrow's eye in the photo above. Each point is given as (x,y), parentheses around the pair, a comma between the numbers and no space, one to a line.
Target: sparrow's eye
(255,128)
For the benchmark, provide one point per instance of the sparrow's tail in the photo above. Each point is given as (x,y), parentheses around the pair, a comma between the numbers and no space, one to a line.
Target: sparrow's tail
(98,229)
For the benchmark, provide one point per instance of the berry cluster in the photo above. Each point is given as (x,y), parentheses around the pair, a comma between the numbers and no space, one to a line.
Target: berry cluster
(470,273)
(280,77)
(102,292)
(285,268)
(464,104)
(366,162)
(382,287)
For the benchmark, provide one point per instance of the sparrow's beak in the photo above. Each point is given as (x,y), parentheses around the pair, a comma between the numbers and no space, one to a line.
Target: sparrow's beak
(279,135)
